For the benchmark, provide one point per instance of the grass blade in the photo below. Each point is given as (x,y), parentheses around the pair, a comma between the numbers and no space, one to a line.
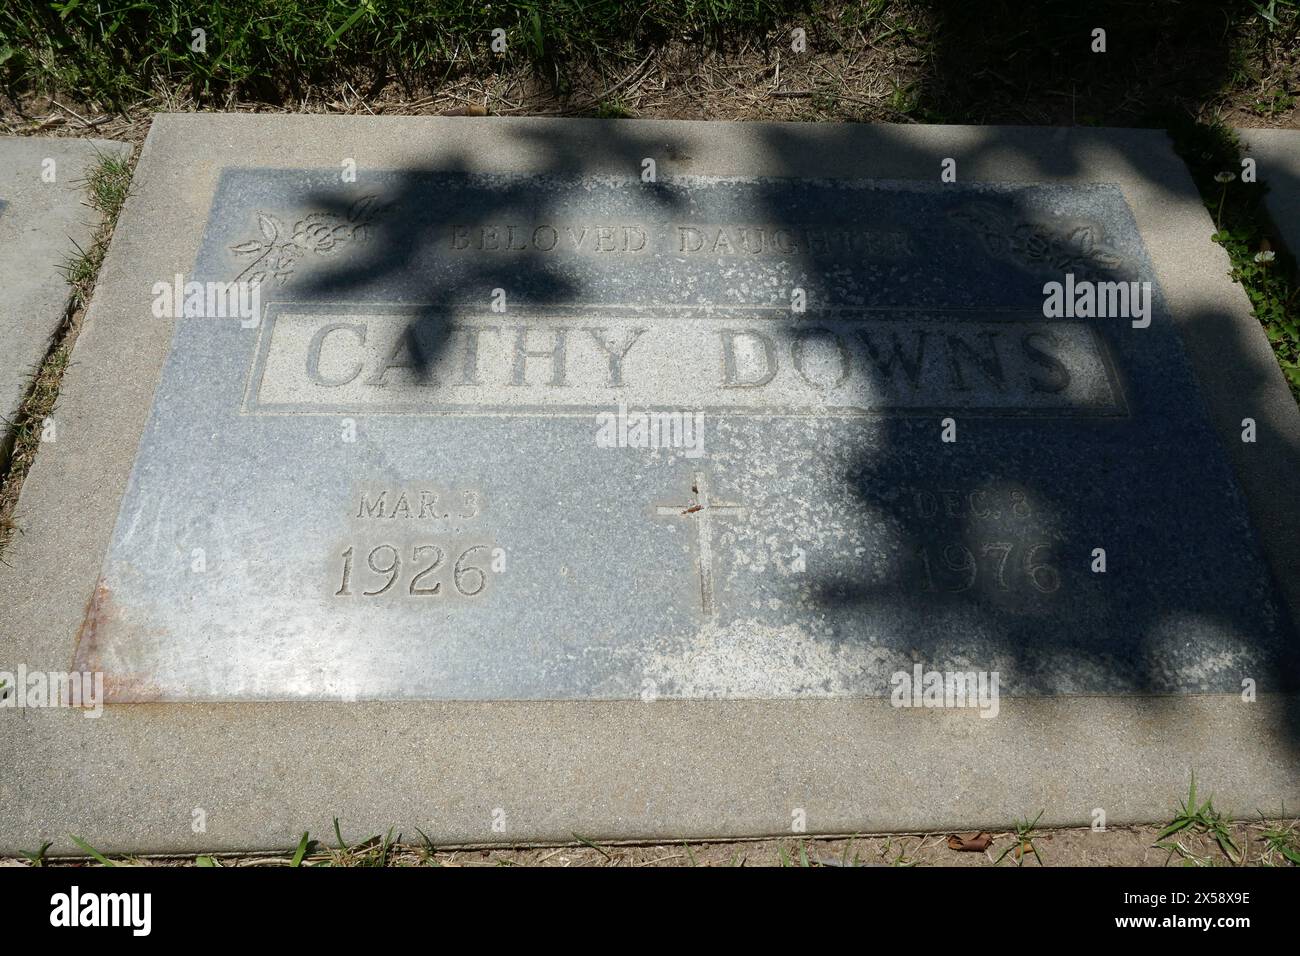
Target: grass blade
(91,851)
(299,853)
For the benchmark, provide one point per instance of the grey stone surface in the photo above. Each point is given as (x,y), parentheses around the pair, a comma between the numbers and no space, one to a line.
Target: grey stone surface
(472,429)
(42,224)
(1277,156)
(199,436)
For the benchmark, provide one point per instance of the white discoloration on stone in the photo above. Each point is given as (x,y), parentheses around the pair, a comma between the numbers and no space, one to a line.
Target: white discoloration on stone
(749,658)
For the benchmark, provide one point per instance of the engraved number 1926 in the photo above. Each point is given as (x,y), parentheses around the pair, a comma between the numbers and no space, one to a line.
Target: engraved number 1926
(388,570)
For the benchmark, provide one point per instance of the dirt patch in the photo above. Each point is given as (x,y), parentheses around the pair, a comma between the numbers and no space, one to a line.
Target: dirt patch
(1116,846)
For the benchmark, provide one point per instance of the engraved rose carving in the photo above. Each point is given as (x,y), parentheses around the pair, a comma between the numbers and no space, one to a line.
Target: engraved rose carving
(1038,245)
(277,252)
(1035,241)
(319,233)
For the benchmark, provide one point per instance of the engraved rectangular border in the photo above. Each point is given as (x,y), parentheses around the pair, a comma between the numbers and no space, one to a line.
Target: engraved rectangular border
(251,405)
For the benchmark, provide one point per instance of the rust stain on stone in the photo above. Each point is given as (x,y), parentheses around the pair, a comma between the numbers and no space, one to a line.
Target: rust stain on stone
(88,655)
(131,689)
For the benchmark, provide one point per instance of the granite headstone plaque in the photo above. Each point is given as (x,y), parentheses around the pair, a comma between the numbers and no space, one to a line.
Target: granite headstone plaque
(586,436)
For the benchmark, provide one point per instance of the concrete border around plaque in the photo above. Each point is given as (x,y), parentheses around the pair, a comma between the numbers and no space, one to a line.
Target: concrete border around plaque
(1277,153)
(42,224)
(480,771)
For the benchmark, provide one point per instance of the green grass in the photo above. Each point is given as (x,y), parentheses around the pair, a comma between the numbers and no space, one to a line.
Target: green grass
(118,52)
(1281,842)
(304,845)
(613,109)
(36,857)
(106,189)
(899,859)
(1243,229)
(115,49)
(1024,842)
(1196,817)
(88,850)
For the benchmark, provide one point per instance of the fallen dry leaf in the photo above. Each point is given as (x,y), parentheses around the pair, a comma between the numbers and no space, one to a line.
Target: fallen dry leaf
(975,843)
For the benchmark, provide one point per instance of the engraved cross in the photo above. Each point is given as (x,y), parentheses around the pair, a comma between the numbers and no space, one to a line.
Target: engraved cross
(703,509)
